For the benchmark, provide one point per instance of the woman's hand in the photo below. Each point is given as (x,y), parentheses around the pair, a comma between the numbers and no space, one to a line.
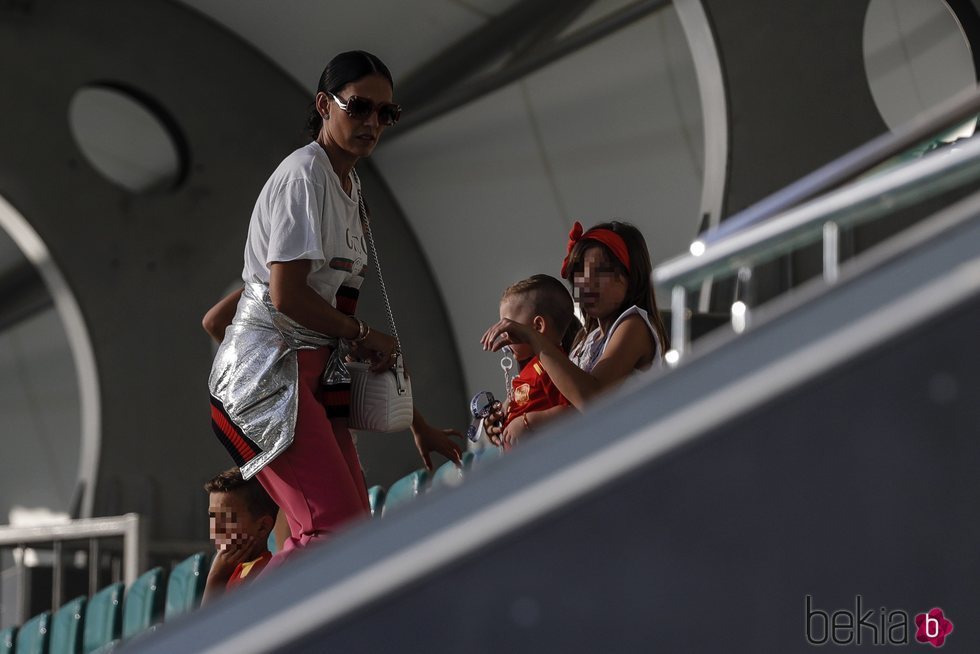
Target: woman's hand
(429,439)
(358,353)
(379,349)
(507,332)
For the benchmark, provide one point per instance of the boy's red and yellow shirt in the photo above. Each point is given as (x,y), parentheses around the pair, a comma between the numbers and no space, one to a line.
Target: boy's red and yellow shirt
(533,390)
(248,571)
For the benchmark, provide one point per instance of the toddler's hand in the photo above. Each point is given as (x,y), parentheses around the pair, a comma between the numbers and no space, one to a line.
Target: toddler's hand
(513,433)
(493,423)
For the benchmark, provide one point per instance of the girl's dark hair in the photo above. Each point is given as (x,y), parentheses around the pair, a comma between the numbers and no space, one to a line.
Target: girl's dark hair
(639,289)
(343,69)
(571,334)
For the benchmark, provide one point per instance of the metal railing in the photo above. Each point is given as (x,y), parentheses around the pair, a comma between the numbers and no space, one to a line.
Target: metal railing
(817,220)
(93,530)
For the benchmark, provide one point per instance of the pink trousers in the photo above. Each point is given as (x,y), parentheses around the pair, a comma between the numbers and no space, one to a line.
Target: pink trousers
(317,482)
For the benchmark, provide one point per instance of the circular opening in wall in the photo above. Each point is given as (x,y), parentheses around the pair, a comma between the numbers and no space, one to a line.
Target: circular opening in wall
(916,55)
(127,138)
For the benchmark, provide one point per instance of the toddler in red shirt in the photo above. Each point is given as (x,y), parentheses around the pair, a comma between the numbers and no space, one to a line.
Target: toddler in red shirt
(543,303)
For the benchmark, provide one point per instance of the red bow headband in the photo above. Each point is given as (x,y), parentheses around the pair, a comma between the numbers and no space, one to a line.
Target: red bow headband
(607,237)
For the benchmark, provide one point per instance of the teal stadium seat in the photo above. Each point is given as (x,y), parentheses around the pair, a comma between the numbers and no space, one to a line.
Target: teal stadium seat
(7,639)
(487,454)
(103,618)
(406,489)
(67,626)
(376,496)
(449,474)
(185,587)
(143,606)
(32,637)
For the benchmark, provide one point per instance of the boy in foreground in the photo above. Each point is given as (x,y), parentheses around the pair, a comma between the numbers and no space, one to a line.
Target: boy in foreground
(241,517)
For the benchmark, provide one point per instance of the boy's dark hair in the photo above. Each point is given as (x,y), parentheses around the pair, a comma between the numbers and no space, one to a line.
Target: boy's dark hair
(547,296)
(256,499)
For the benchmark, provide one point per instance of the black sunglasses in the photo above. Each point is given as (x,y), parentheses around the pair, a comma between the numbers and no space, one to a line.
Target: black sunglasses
(360,108)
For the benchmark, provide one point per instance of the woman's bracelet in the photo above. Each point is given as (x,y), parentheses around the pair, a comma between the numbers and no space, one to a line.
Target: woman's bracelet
(526,425)
(363,329)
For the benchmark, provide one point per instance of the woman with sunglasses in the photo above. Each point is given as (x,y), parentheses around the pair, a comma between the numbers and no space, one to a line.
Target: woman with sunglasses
(608,268)
(278,403)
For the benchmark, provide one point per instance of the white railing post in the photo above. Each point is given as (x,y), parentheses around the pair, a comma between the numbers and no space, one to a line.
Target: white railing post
(831,251)
(678,320)
(133,551)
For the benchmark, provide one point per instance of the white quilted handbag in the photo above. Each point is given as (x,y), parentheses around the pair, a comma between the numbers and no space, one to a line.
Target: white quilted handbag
(380,401)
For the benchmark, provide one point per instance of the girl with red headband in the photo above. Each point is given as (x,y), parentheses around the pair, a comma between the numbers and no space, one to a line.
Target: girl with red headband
(608,268)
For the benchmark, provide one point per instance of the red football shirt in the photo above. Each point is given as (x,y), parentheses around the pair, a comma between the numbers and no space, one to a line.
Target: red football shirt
(248,571)
(533,391)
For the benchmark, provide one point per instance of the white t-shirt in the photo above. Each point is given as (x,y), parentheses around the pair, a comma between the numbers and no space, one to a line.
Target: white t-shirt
(304,213)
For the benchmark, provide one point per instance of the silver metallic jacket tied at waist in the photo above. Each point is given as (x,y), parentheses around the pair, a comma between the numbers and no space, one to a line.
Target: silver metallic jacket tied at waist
(255,373)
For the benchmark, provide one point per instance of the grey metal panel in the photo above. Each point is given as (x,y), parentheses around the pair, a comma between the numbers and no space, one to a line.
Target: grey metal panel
(403,34)
(797,98)
(794,102)
(520,67)
(43,459)
(145,268)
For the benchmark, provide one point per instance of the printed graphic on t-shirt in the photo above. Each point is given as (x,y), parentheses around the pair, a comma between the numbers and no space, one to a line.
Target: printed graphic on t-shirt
(522,393)
(352,266)
(356,243)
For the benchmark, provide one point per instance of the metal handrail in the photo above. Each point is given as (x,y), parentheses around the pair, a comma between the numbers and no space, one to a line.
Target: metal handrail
(127,526)
(849,206)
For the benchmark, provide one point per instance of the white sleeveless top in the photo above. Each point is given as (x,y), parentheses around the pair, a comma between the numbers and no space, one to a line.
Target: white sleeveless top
(587,353)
